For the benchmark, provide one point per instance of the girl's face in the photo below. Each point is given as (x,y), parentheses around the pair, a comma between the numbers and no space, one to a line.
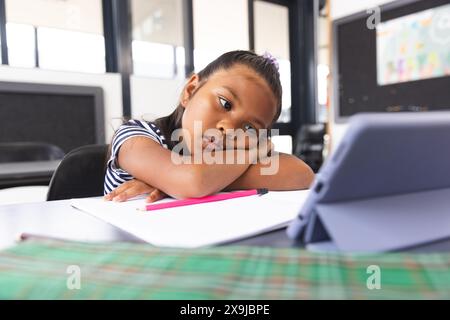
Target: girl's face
(235,98)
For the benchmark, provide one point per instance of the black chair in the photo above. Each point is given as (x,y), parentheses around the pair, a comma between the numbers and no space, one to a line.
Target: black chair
(29,151)
(80,174)
(310,145)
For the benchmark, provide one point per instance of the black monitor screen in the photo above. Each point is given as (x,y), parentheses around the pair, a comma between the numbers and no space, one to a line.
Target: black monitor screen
(401,65)
(66,116)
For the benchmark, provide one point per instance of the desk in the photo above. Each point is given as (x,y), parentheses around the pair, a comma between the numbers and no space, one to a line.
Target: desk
(58,219)
(27,173)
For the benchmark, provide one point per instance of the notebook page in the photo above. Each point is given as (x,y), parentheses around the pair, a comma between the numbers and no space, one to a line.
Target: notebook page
(199,225)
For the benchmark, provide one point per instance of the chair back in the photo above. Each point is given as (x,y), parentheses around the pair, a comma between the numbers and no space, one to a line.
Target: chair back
(80,174)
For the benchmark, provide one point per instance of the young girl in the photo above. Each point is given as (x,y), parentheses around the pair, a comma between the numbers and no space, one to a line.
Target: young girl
(238,90)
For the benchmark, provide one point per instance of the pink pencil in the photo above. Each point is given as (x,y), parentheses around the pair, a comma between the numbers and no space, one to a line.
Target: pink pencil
(217,197)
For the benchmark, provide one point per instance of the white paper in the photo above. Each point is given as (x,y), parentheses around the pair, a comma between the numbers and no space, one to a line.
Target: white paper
(199,225)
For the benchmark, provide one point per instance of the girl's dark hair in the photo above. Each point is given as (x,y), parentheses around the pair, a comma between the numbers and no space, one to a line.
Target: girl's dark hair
(262,65)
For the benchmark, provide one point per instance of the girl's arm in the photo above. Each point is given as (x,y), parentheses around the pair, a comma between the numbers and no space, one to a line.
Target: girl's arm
(148,162)
(292,174)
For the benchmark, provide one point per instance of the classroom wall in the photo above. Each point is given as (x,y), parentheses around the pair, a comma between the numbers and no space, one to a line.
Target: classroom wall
(339,9)
(150,97)
(111,84)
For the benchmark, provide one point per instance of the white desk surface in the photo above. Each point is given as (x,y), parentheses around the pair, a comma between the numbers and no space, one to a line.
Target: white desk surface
(58,219)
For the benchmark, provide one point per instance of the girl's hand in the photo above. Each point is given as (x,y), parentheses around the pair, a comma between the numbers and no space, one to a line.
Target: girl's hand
(134,188)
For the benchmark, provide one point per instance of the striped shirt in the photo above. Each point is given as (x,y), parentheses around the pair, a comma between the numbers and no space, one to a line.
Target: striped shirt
(114,175)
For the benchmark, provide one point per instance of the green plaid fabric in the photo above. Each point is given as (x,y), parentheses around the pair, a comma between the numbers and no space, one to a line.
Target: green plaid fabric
(37,269)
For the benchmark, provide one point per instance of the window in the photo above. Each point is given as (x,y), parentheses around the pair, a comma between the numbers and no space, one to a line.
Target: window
(157,46)
(71,47)
(58,35)
(272,35)
(323,72)
(219,26)
(323,68)
(283,144)
(21,45)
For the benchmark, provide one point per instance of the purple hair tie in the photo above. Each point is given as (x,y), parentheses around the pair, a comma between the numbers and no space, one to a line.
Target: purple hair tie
(272,60)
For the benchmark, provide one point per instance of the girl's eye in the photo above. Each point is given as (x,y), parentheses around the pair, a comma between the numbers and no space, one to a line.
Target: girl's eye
(225,104)
(249,127)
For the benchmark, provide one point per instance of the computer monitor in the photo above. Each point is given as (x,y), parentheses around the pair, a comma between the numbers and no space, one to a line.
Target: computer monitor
(400,64)
(63,115)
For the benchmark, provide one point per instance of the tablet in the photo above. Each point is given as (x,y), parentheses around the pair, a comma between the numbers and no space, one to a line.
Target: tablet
(384,160)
